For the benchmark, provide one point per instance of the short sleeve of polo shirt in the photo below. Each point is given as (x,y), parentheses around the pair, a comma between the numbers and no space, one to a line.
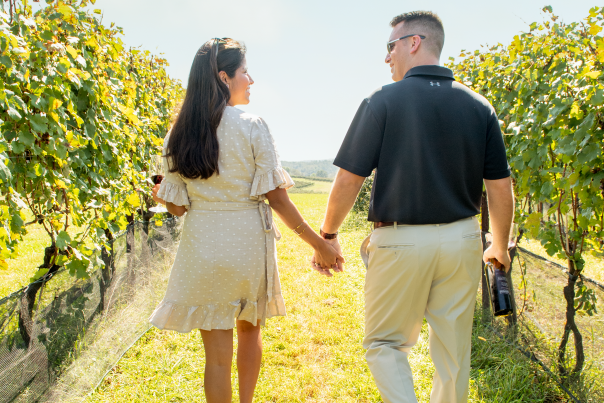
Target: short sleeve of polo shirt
(360,150)
(495,161)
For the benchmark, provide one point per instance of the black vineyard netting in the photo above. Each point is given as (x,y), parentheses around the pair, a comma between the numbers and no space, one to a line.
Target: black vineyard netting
(79,329)
(541,309)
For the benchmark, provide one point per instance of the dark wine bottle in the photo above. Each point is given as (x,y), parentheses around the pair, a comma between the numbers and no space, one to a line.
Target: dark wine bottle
(500,291)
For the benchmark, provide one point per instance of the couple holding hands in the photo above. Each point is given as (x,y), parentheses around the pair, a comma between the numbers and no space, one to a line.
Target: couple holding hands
(433,143)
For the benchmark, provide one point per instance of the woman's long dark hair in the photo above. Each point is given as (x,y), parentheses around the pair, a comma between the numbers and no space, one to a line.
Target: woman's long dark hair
(193,145)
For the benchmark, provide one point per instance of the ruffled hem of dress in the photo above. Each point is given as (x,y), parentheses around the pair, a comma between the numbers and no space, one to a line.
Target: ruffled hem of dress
(271,180)
(174,193)
(182,318)
(276,307)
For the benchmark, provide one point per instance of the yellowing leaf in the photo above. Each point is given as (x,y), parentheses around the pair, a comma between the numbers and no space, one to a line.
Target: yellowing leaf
(575,111)
(595,29)
(575,49)
(158,223)
(85,75)
(593,74)
(71,75)
(53,103)
(533,224)
(92,42)
(60,184)
(71,51)
(134,200)
(37,169)
(65,10)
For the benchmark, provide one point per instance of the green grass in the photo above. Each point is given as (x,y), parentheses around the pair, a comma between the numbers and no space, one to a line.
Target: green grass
(311,185)
(30,255)
(594,265)
(314,354)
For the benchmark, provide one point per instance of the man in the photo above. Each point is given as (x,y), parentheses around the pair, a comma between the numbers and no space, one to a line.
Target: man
(433,142)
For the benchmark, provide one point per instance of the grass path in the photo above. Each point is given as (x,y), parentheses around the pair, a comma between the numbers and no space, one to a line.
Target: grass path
(31,255)
(314,354)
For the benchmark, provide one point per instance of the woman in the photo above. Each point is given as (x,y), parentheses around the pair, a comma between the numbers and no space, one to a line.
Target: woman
(221,166)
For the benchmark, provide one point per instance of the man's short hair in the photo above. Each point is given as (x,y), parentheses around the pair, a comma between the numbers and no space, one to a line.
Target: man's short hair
(426,23)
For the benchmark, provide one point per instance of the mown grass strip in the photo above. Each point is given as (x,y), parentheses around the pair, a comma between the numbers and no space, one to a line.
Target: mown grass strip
(314,354)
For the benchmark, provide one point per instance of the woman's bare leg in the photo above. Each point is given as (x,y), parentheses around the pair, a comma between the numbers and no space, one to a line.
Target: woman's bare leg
(218,345)
(249,357)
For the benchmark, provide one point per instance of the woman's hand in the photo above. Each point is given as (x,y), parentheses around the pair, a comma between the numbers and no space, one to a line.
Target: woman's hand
(172,208)
(327,257)
(154,193)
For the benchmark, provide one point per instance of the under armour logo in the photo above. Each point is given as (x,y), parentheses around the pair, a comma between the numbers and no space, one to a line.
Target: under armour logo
(432,84)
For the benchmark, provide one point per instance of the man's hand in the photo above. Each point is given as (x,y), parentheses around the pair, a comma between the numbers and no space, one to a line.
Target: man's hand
(335,244)
(501,212)
(502,256)
(337,268)
(343,193)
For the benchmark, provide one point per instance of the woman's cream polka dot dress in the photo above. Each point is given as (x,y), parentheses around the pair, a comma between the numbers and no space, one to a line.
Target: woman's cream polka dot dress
(226,264)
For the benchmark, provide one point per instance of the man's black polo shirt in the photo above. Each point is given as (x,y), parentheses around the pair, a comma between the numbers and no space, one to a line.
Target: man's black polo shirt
(432,140)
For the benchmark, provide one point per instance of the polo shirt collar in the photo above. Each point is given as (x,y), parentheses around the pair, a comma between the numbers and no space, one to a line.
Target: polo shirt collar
(430,70)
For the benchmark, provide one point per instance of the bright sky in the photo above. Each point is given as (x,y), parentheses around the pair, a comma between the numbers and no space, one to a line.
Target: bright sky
(314,61)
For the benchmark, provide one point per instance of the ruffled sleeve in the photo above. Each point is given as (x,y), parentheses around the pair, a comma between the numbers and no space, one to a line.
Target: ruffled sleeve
(173,189)
(269,174)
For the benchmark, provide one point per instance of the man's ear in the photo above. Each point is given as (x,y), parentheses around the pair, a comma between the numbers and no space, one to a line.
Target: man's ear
(415,44)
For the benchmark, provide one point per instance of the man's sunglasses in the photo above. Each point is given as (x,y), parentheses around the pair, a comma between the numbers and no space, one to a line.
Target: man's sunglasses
(390,45)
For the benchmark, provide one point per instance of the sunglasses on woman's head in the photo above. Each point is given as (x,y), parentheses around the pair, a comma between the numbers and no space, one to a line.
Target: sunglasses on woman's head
(390,45)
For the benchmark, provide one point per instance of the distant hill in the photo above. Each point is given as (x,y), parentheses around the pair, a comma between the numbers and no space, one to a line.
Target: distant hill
(321,168)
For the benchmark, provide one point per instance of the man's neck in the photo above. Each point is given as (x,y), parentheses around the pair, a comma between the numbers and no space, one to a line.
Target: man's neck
(423,61)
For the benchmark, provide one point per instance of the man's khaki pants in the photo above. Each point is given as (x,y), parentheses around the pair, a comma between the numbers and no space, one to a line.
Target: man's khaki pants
(416,271)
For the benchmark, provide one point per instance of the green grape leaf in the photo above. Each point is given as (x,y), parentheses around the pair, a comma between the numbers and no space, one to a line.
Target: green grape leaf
(38,274)
(5,173)
(13,113)
(79,267)
(598,98)
(17,147)
(6,61)
(63,240)
(63,66)
(38,123)
(47,35)
(26,137)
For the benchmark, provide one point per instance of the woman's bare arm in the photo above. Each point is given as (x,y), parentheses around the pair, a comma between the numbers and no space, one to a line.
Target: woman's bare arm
(176,210)
(172,208)
(280,202)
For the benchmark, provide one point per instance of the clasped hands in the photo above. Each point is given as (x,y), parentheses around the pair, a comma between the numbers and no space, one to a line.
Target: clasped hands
(328,258)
